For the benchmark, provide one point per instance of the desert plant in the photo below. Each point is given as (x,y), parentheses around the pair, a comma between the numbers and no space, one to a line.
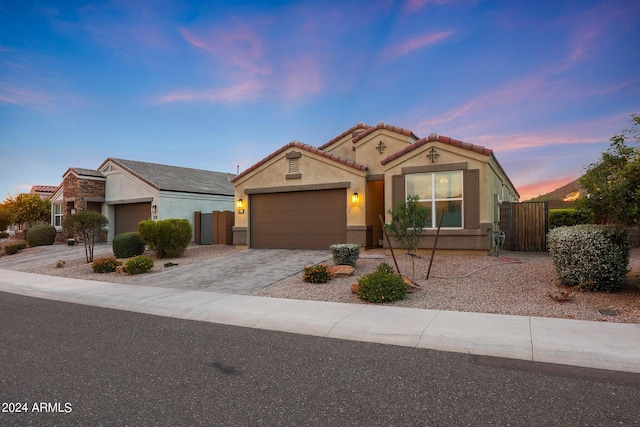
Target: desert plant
(381,287)
(139,264)
(408,220)
(87,224)
(14,248)
(41,234)
(318,273)
(345,253)
(384,268)
(168,238)
(127,245)
(595,257)
(105,265)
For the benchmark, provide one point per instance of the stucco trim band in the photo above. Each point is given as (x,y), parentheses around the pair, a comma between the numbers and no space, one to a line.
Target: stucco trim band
(290,188)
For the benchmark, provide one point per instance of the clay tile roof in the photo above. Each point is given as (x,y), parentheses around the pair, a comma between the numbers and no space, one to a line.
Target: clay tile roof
(44,188)
(382,125)
(439,138)
(306,147)
(345,133)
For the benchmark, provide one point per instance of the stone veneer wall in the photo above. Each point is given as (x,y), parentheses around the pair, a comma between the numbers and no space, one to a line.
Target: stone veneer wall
(80,189)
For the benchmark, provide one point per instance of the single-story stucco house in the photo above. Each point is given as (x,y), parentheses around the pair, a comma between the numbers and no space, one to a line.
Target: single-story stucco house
(301,196)
(128,191)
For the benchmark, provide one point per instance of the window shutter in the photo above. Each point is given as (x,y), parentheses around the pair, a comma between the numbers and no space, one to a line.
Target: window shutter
(471,198)
(397,190)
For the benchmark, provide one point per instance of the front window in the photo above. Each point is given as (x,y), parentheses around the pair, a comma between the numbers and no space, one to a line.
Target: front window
(441,192)
(57,215)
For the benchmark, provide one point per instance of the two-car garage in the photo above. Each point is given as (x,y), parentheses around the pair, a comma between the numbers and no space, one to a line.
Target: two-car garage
(298,219)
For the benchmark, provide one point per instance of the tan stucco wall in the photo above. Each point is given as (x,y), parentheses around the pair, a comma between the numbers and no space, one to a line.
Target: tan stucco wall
(447,155)
(314,170)
(366,151)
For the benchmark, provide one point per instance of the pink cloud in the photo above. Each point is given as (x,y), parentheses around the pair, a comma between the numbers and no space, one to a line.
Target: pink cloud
(20,96)
(413,5)
(408,46)
(236,93)
(302,77)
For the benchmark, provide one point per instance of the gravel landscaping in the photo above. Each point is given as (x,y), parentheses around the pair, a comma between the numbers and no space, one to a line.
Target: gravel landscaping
(518,283)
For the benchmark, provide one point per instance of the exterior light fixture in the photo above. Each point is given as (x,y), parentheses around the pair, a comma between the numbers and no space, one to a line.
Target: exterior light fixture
(154,209)
(354,198)
(239,203)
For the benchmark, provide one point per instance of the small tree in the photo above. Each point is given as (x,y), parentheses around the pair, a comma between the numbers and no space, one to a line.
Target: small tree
(87,224)
(407,222)
(612,184)
(30,209)
(6,217)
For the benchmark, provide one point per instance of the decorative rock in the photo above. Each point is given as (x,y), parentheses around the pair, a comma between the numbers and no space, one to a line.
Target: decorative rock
(354,288)
(60,263)
(341,271)
(120,269)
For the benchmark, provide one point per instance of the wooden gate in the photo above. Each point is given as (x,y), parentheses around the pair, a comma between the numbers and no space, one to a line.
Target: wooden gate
(214,228)
(525,226)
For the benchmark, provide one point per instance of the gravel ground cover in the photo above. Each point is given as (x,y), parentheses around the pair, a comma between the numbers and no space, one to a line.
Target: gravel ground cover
(517,283)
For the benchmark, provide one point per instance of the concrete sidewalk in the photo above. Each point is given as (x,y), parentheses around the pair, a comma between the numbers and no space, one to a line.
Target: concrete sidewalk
(612,346)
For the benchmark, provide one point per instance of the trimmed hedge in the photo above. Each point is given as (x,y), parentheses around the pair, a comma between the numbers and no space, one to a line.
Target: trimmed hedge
(568,217)
(345,253)
(168,238)
(381,287)
(595,257)
(127,245)
(14,248)
(41,235)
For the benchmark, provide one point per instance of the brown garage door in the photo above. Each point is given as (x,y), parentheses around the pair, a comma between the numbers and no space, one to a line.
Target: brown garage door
(298,220)
(128,216)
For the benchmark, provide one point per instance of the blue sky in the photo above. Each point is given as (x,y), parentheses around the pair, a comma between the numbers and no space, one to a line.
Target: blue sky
(216,85)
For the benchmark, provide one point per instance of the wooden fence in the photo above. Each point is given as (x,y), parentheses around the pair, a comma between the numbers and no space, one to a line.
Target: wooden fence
(525,226)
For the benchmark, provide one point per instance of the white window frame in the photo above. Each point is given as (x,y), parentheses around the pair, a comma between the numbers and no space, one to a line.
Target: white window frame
(57,215)
(433,200)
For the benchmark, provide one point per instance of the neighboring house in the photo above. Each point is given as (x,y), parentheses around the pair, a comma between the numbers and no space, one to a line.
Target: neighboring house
(128,191)
(44,191)
(311,197)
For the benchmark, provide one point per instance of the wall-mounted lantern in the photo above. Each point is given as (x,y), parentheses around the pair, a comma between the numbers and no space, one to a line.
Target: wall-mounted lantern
(154,209)
(354,198)
(240,205)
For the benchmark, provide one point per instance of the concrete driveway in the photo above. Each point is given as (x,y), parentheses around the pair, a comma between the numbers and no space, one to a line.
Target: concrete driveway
(235,273)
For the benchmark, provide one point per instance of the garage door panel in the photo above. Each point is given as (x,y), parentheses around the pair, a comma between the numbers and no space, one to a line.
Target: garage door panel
(128,216)
(298,220)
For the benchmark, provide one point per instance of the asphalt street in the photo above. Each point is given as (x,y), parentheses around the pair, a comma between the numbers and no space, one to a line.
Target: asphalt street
(69,364)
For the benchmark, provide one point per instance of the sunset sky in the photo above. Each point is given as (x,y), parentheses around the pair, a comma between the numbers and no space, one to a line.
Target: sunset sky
(219,85)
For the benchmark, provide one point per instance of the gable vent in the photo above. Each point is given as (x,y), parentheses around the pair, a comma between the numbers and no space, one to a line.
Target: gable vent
(293,166)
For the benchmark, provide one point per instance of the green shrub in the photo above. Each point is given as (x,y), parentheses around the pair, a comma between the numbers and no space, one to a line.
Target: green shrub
(14,248)
(168,238)
(41,234)
(384,268)
(596,257)
(381,287)
(138,265)
(345,253)
(317,274)
(105,265)
(127,245)
(569,217)
(4,235)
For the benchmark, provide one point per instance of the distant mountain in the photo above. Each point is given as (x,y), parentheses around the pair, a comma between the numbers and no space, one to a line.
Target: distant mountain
(563,196)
